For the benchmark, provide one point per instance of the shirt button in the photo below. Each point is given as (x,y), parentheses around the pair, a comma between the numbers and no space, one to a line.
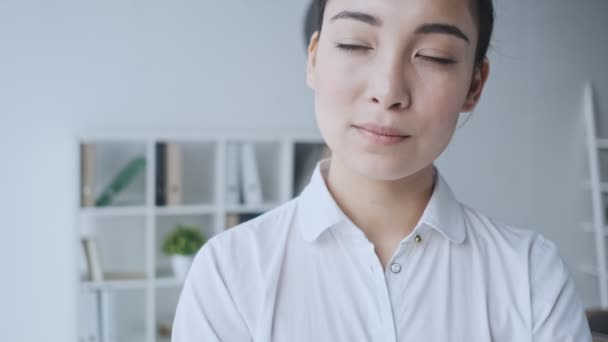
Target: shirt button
(418,239)
(395,267)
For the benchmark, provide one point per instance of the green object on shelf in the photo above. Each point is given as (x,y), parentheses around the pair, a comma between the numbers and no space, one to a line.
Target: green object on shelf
(184,240)
(122,179)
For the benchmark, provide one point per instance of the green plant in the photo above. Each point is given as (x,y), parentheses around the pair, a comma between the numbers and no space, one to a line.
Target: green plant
(125,177)
(184,240)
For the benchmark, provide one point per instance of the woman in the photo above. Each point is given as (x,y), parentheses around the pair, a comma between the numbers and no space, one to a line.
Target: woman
(377,248)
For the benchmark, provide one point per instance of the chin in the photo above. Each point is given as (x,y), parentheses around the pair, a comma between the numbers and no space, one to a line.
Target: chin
(387,169)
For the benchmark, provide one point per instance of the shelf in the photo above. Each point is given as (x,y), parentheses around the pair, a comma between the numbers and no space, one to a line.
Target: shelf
(167,282)
(587,227)
(247,208)
(204,209)
(603,186)
(589,269)
(133,284)
(133,336)
(117,285)
(602,143)
(113,211)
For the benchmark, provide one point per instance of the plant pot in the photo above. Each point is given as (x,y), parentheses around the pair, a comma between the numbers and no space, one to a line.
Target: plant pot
(181,264)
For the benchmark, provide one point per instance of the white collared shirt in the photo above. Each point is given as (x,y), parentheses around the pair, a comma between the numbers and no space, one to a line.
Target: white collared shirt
(305,272)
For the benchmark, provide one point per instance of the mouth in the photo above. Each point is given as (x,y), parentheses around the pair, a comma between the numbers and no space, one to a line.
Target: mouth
(381,135)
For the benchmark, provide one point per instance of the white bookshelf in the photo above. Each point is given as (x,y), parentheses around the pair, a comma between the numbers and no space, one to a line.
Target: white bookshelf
(597,165)
(142,291)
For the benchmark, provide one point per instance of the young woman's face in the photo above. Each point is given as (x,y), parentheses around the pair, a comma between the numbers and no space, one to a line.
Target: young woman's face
(406,65)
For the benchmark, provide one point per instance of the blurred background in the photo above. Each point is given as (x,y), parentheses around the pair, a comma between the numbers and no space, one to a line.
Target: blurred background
(89,88)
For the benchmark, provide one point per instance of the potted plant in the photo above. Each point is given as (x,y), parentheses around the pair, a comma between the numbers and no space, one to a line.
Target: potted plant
(182,244)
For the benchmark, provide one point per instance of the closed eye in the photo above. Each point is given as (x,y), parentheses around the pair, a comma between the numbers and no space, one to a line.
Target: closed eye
(352,47)
(443,61)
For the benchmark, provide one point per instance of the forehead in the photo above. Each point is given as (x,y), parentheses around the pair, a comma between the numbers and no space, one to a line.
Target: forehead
(404,14)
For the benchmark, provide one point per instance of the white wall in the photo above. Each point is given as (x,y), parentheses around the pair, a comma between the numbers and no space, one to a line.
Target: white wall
(519,157)
(70,67)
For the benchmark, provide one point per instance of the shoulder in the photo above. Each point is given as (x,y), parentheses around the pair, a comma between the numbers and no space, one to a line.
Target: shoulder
(239,263)
(488,231)
(521,252)
(251,240)
(524,249)
(529,264)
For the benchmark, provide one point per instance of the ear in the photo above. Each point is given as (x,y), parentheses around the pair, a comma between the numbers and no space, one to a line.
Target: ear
(312,59)
(480,76)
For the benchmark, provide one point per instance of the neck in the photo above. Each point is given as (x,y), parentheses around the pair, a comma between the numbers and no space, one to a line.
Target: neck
(383,210)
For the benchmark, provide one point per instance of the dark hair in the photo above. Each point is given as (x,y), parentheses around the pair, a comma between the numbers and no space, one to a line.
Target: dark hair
(485,15)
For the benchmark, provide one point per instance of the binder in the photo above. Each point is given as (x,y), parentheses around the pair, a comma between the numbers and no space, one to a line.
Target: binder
(252,190)
(87,175)
(90,324)
(108,316)
(160,194)
(232,175)
(173,172)
(310,162)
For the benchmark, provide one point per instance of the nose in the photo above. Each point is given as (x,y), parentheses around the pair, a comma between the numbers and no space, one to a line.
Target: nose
(389,87)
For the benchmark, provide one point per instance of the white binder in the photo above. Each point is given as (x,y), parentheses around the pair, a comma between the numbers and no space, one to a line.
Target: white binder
(108,314)
(232,174)
(252,189)
(89,327)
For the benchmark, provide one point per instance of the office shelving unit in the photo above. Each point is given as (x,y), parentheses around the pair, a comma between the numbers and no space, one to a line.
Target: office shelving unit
(139,291)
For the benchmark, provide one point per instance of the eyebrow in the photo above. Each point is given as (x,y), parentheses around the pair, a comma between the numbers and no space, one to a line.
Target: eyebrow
(428,28)
(442,28)
(359,16)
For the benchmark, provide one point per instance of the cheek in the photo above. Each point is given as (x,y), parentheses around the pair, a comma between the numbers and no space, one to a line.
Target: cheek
(439,105)
(337,86)
(441,94)
(336,92)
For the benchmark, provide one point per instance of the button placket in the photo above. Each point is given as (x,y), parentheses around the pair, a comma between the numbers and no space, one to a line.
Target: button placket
(395,267)
(399,291)
(398,266)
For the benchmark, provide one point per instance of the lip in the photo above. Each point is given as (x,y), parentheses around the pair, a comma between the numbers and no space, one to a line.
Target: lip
(382,130)
(382,135)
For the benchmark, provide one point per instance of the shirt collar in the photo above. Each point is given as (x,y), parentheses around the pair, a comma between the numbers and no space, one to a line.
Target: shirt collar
(318,211)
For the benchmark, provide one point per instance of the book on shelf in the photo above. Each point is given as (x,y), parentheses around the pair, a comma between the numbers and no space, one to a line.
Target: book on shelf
(160,174)
(165,328)
(108,315)
(94,270)
(87,175)
(168,182)
(89,329)
(250,177)
(93,260)
(173,173)
(311,159)
(233,186)
(83,262)
(233,219)
(125,176)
